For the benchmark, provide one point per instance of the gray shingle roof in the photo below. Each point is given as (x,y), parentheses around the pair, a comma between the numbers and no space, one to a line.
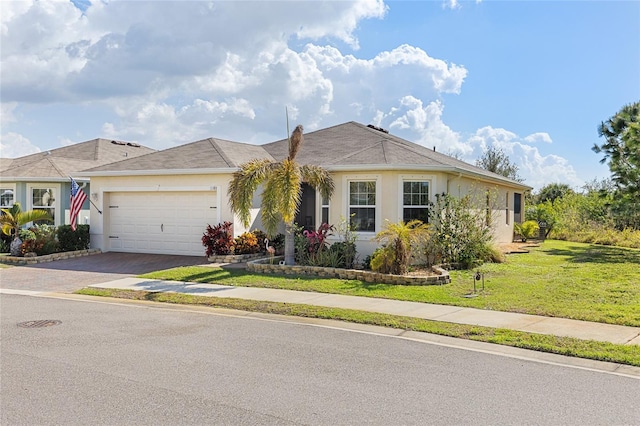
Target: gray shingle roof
(354,144)
(69,160)
(205,154)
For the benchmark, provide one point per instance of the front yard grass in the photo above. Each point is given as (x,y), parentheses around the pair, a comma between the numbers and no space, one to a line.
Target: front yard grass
(558,279)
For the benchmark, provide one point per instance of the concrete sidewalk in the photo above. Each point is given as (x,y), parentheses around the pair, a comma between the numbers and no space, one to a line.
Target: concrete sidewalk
(529,323)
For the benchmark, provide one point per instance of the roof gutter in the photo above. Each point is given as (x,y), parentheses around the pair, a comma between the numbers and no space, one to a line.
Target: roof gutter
(162,172)
(44,179)
(415,167)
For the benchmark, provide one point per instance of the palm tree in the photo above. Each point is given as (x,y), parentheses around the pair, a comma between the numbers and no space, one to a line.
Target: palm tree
(282,190)
(14,218)
(399,239)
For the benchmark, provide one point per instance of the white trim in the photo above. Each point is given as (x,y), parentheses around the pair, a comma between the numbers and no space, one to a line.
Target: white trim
(346,179)
(57,206)
(162,172)
(159,188)
(430,169)
(413,178)
(41,179)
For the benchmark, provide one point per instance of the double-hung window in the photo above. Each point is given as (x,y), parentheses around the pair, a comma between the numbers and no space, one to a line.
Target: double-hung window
(362,205)
(415,201)
(43,198)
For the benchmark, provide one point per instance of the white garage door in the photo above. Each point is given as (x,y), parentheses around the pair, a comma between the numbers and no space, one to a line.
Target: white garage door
(160,222)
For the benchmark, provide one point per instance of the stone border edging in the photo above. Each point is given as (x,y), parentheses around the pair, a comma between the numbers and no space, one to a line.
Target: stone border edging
(235,258)
(17,260)
(266,267)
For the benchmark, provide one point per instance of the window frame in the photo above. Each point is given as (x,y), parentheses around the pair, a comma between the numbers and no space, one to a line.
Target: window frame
(430,179)
(56,206)
(377,207)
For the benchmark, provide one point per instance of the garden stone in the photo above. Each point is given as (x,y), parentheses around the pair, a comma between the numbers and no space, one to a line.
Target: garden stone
(16,247)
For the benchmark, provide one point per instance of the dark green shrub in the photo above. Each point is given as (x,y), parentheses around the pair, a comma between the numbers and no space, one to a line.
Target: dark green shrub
(346,252)
(278,243)
(70,240)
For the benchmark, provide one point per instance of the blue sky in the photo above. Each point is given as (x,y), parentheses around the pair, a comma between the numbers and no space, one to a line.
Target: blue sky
(533,78)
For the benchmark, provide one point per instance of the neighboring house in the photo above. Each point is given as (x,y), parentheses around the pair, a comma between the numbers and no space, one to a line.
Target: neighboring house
(42,180)
(162,202)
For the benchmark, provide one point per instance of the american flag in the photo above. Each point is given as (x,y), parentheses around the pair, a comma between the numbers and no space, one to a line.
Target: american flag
(77,200)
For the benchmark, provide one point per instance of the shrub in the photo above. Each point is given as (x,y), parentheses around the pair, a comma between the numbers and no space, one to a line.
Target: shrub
(383,260)
(309,243)
(70,240)
(44,241)
(461,231)
(218,239)
(526,230)
(247,243)
(345,253)
(399,238)
(278,243)
(260,237)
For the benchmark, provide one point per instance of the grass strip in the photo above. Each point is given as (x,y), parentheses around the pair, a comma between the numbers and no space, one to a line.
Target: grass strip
(589,349)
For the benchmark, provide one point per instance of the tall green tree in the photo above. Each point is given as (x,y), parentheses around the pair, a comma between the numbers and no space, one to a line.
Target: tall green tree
(621,149)
(495,160)
(282,190)
(553,191)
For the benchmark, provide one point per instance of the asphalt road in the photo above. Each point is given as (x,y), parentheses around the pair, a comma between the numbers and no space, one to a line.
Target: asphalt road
(123,364)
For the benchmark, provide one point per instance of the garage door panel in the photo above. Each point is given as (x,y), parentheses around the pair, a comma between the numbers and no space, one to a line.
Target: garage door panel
(160,222)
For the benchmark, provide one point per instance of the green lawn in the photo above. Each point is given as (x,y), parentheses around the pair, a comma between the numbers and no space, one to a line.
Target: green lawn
(562,279)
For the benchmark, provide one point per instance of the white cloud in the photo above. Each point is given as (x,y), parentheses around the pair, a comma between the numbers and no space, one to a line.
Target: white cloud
(538,137)
(537,169)
(14,145)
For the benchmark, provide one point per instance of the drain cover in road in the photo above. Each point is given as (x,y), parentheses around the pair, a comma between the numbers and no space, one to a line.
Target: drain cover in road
(39,323)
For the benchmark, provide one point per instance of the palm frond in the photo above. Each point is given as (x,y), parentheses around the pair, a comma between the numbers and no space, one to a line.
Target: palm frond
(244,184)
(284,187)
(319,178)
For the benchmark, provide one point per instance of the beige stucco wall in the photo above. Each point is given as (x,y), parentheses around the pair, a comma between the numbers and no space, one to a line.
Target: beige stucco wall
(389,196)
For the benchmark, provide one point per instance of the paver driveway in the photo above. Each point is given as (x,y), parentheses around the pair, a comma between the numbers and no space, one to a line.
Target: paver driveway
(72,274)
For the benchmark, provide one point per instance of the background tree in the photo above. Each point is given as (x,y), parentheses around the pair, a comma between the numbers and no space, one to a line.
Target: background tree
(553,191)
(622,148)
(282,190)
(496,161)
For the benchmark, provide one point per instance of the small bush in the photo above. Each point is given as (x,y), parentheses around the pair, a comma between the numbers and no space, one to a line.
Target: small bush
(345,252)
(44,241)
(278,243)
(526,230)
(247,243)
(260,237)
(383,260)
(70,240)
(218,239)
